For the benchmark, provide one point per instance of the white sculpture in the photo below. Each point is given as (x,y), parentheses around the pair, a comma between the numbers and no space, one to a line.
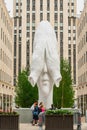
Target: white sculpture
(45,66)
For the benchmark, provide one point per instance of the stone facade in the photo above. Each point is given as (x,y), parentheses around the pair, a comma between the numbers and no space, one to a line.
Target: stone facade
(6,59)
(82,60)
(27,15)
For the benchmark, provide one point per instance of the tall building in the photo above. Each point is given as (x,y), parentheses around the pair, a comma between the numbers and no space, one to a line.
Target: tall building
(27,15)
(82,60)
(6,59)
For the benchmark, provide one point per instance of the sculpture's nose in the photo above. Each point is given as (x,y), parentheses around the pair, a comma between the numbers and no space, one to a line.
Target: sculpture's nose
(45,68)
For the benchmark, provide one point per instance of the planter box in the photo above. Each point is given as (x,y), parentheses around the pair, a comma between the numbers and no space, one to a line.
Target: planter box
(59,122)
(9,122)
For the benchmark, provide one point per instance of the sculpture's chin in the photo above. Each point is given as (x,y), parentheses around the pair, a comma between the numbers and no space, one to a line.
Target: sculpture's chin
(45,90)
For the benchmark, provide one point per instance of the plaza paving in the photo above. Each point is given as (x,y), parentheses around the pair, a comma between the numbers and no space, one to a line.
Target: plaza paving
(30,127)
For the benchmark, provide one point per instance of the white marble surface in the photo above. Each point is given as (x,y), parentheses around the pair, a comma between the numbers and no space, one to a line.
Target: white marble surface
(45,65)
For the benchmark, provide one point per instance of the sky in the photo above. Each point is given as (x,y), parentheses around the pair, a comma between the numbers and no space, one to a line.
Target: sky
(9,4)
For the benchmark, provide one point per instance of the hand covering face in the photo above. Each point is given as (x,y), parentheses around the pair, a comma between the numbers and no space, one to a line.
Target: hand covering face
(45,51)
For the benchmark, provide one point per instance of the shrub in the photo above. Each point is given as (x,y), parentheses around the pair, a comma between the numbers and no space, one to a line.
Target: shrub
(59,112)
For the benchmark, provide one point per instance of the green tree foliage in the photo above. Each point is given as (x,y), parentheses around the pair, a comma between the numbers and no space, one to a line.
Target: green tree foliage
(64,94)
(26,95)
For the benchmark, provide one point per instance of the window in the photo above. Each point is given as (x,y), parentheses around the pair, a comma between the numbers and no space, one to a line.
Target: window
(15,22)
(72,10)
(69,52)
(28,5)
(55,5)
(41,16)
(48,5)
(27,54)
(33,17)
(33,33)
(56,17)
(86,36)
(16,10)
(19,64)
(41,5)
(69,22)
(28,27)
(33,5)
(74,38)
(69,38)
(61,5)
(28,18)
(74,31)
(1,33)
(28,34)
(86,56)
(15,67)
(61,18)
(48,16)
(69,31)
(61,27)
(74,22)
(20,23)
(72,4)
(69,45)
(56,28)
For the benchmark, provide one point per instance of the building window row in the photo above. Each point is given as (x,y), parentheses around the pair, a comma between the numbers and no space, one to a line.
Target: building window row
(61,45)
(19,59)
(74,38)
(82,60)
(71,22)
(33,5)
(55,5)
(48,16)
(5,77)
(33,18)
(6,41)
(17,20)
(41,5)
(82,24)
(28,55)
(5,21)
(74,63)
(82,78)
(56,17)
(5,59)
(61,17)
(48,5)
(82,43)
(61,5)
(72,4)
(28,5)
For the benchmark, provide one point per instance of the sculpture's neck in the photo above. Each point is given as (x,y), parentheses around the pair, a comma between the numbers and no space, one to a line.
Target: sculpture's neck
(47,99)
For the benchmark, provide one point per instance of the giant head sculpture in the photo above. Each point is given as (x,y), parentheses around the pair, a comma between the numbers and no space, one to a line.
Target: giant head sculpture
(45,65)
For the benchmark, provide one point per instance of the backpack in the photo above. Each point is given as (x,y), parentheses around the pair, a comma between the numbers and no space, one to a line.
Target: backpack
(35,112)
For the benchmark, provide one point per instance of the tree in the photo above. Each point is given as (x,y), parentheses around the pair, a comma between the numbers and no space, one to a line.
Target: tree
(64,95)
(25,93)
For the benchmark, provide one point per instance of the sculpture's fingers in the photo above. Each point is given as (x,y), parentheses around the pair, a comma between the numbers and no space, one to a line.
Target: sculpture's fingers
(53,64)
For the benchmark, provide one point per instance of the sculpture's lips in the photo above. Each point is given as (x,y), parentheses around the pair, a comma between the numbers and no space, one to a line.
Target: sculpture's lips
(45,80)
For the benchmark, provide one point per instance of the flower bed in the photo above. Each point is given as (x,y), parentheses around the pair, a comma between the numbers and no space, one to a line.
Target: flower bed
(59,120)
(9,121)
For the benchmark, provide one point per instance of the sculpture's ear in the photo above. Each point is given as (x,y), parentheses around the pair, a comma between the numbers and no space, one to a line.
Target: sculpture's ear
(31,81)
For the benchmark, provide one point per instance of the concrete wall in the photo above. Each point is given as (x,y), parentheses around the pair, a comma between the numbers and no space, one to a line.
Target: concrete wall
(25,115)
